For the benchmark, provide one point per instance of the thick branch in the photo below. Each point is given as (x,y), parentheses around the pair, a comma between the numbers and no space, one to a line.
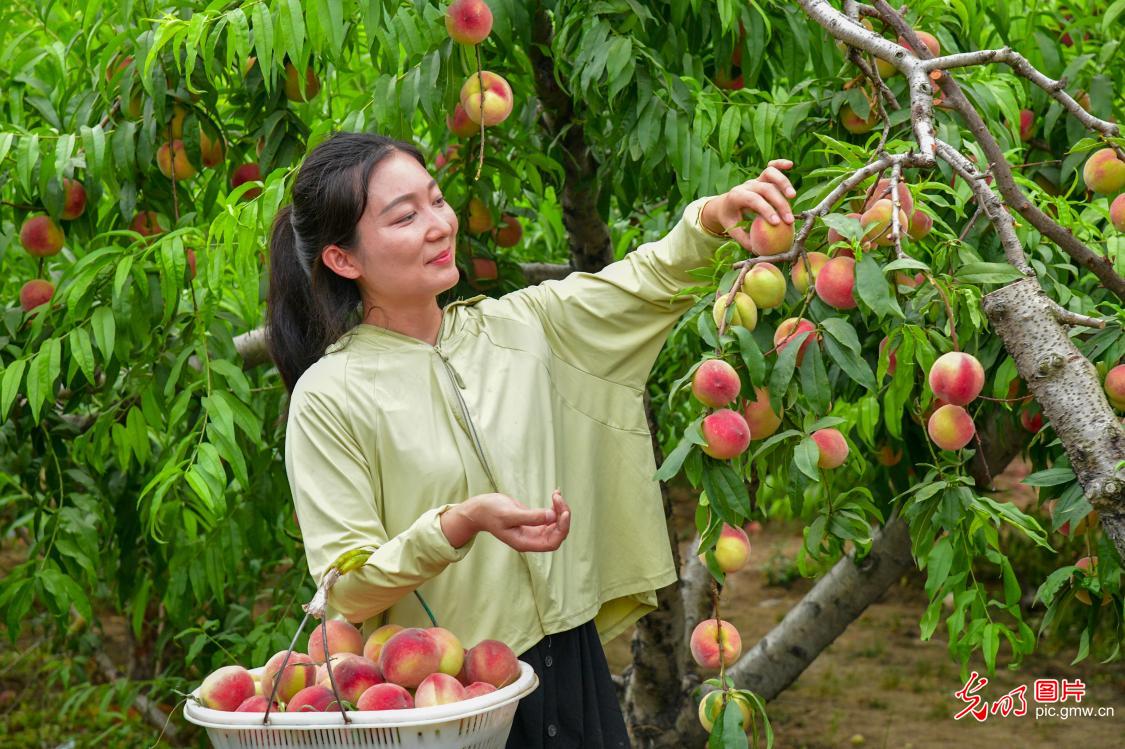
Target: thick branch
(537,272)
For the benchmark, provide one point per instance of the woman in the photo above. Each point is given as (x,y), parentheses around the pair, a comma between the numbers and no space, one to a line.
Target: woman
(413,428)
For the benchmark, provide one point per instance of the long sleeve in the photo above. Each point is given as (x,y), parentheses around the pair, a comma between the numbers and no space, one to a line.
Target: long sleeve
(335,490)
(613,323)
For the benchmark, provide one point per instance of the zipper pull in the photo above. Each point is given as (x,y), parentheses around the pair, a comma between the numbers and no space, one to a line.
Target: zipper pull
(451,368)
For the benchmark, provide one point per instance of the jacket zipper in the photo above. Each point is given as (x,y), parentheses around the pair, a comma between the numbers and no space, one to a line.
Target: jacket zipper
(459,385)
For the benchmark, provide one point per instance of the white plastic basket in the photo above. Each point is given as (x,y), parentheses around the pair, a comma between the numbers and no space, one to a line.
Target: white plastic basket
(479,723)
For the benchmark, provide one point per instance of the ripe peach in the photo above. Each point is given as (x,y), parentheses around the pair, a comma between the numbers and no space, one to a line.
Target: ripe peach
(712,706)
(210,147)
(927,39)
(732,550)
(855,124)
(255,704)
(247,173)
(480,218)
(726,434)
(354,674)
(800,274)
(833,447)
(882,190)
(715,383)
(314,699)
(459,123)
(745,312)
(1104,172)
(877,222)
(226,688)
(147,224)
(468,21)
(299,673)
(957,378)
(788,330)
(892,360)
(173,161)
(760,418)
(836,282)
(438,689)
(293,85)
(1115,387)
(342,638)
(452,652)
(385,696)
(1031,418)
(492,662)
(765,284)
(487,98)
(74,199)
(768,239)
(35,292)
(1117,212)
(951,427)
(484,269)
(901,279)
(509,232)
(190,253)
(753,528)
(477,689)
(1027,124)
(920,224)
(41,236)
(409,656)
(888,456)
(714,641)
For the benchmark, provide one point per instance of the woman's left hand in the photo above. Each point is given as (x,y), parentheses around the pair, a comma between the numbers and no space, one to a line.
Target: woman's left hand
(766,196)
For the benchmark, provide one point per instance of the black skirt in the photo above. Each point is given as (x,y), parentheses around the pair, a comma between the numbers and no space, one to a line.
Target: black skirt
(575,705)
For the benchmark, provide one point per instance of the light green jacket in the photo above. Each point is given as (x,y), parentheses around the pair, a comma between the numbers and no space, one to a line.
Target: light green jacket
(540,389)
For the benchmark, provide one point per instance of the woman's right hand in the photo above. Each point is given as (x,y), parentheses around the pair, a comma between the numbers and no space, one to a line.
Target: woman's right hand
(517,525)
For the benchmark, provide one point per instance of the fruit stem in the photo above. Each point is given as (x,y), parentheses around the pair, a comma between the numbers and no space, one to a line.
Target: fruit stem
(480,82)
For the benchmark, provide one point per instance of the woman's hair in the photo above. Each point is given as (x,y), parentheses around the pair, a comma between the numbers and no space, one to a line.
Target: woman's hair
(309,306)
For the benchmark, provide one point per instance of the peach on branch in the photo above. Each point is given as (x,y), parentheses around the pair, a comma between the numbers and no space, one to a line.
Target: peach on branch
(725,433)
(227,688)
(173,161)
(492,662)
(770,239)
(1027,124)
(913,282)
(920,224)
(745,312)
(409,656)
(509,232)
(74,199)
(342,638)
(1117,212)
(760,418)
(715,641)
(855,124)
(753,528)
(354,675)
(788,330)
(41,236)
(888,456)
(452,651)
(835,283)
(35,292)
(468,21)
(487,98)
(293,84)
(385,696)
(147,224)
(732,550)
(210,147)
(833,447)
(877,224)
(480,218)
(247,173)
(950,427)
(438,689)
(477,689)
(1115,387)
(190,253)
(715,383)
(927,39)
(1031,418)
(485,269)
(314,699)
(300,672)
(882,190)
(957,378)
(459,123)
(712,706)
(800,274)
(1104,173)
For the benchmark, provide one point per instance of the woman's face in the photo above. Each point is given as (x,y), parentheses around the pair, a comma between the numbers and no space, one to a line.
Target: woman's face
(407,236)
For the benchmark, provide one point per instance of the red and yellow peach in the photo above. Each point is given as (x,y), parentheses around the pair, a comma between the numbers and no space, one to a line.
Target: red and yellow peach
(725,433)
(950,427)
(833,447)
(715,383)
(713,642)
(957,378)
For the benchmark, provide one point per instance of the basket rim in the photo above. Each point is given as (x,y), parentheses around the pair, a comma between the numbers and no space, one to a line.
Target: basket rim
(207,717)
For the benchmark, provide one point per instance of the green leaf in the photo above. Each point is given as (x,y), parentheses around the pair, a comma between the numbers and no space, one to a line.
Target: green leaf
(814,380)
(105,331)
(987,273)
(806,456)
(850,362)
(873,288)
(675,459)
(1050,477)
(82,352)
(727,492)
(938,564)
(751,355)
(783,369)
(10,386)
(842,331)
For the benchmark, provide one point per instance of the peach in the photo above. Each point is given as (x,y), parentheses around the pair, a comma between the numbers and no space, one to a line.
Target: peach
(888,456)
(800,274)
(468,21)
(255,704)
(41,236)
(452,652)
(226,688)
(438,689)
(728,82)
(1115,387)
(711,707)
(173,161)
(509,232)
(835,283)
(726,434)
(210,147)
(247,173)
(385,696)
(447,157)
(409,656)
(714,641)
(354,674)
(487,98)
(314,699)
(459,123)
(833,447)
(1104,173)
(920,224)
(855,124)
(190,253)
(835,237)
(892,360)
(485,269)
(715,383)
(1089,566)
(1027,124)
(927,39)
(74,199)
(1117,212)
(790,329)
(477,689)
(770,239)
(342,638)
(147,224)
(760,418)
(957,378)
(300,672)
(901,279)
(35,292)
(765,284)
(732,550)
(480,218)
(745,312)
(753,528)
(876,221)
(951,427)
(492,662)
(293,84)
(882,190)
(1031,418)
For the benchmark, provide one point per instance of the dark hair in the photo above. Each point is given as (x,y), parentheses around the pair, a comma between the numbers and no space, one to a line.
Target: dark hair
(309,306)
